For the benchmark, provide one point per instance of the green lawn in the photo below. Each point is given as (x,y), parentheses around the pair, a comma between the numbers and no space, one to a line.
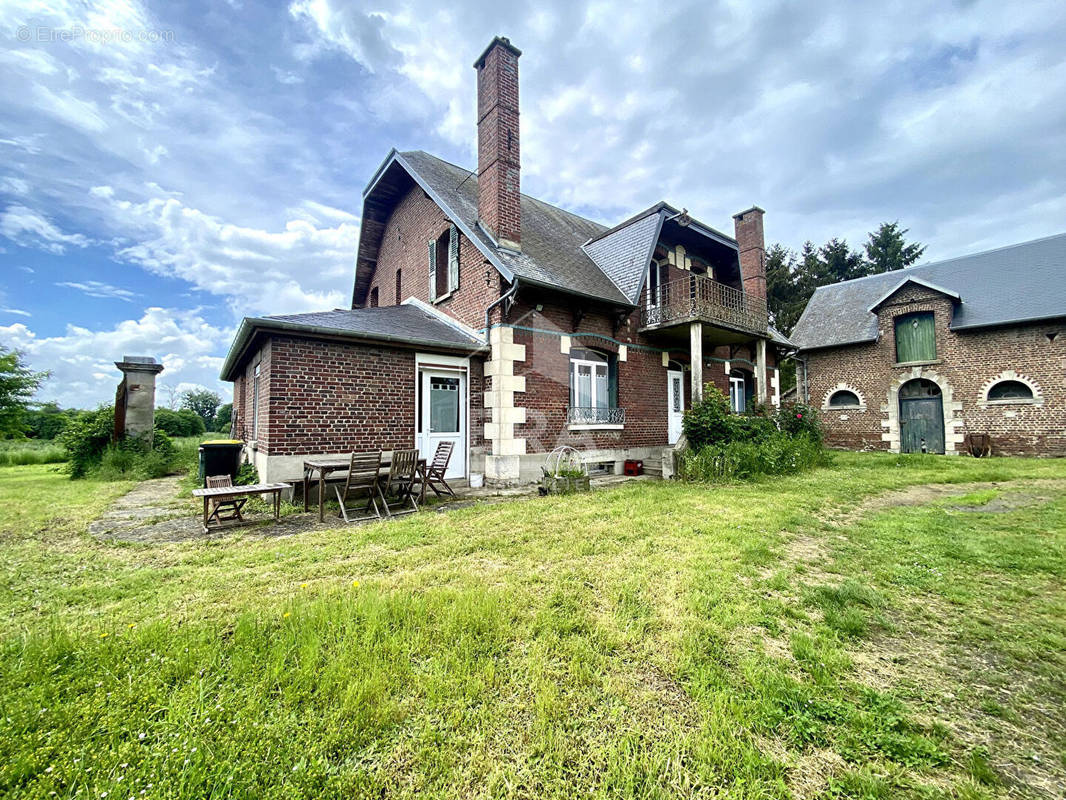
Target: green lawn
(843,633)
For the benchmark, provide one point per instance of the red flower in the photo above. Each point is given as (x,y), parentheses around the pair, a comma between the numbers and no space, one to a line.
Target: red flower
(799,416)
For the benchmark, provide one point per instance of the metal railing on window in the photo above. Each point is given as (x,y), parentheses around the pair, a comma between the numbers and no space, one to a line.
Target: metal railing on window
(585,415)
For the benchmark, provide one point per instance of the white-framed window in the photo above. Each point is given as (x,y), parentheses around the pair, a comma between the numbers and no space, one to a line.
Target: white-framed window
(589,379)
(1010,391)
(444,264)
(655,276)
(738,398)
(255,403)
(844,398)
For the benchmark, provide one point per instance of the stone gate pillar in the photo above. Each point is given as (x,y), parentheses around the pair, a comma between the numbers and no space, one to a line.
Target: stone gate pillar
(135,397)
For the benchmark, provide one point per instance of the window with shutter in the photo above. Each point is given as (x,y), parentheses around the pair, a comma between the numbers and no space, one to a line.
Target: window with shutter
(915,337)
(432,270)
(453,259)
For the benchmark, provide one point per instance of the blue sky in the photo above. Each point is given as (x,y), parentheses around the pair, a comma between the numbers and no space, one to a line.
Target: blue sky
(207,162)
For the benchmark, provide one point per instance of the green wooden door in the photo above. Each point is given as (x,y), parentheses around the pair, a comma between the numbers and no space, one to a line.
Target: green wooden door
(915,337)
(921,422)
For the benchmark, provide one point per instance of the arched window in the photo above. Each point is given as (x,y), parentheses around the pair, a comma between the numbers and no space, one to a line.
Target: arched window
(374,297)
(1010,390)
(844,399)
(399,285)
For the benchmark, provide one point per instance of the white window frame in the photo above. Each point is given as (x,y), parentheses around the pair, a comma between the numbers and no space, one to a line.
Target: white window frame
(255,403)
(655,275)
(575,363)
(734,382)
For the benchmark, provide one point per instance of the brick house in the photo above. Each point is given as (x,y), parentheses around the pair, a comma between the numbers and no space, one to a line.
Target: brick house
(507,325)
(920,358)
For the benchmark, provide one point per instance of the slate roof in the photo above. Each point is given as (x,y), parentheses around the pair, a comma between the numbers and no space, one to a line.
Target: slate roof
(403,325)
(551,237)
(623,252)
(1015,284)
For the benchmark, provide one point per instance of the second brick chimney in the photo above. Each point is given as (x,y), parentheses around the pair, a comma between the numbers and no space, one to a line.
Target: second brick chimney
(749,233)
(498,161)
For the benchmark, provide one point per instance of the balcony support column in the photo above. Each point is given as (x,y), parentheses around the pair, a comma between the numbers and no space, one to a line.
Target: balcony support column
(696,359)
(760,371)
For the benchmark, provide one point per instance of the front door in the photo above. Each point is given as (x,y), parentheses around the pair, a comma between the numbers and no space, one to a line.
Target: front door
(443,417)
(921,424)
(675,404)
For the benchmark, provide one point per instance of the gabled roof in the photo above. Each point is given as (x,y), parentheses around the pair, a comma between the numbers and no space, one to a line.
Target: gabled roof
(551,237)
(406,325)
(1020,283)
(911,279)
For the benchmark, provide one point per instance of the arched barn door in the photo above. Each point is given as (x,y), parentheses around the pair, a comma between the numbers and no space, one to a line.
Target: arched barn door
(921,417)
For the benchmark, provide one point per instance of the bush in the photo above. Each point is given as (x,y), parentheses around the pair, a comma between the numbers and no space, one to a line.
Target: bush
(712,421)
(247,475)
(799,418)
(777,454)
(85,439)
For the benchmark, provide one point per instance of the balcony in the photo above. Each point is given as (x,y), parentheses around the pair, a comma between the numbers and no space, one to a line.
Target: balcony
(698,299)
(585,415)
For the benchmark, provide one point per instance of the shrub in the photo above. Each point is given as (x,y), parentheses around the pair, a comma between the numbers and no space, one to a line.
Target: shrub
(712,421)
(85,439)
(799,418)
(777,454)
(247,475)
(134,458)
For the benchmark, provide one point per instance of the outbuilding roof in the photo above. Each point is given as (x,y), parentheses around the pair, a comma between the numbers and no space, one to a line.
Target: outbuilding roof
(406,325)
(1015,284)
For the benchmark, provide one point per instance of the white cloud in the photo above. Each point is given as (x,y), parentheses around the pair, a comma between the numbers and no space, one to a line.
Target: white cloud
(82,360)
(303,267)
(98,289)
(18,312)
(31,229)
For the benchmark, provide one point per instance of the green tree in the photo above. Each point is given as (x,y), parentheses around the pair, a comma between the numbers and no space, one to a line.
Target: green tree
(47,420)
(840,262)
(17,385)
(887,249)
(224,417)
(204,403)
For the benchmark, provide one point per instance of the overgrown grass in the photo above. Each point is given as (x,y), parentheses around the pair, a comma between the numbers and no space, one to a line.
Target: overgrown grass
(654,640)
(22,452)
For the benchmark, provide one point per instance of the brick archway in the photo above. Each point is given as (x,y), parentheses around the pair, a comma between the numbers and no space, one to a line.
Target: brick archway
(953,425)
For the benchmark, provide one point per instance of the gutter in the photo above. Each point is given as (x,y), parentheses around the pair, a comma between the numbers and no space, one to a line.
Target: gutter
(250,325)
(509,294)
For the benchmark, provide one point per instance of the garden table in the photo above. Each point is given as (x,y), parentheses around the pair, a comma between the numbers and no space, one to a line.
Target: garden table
(233,492)
(325,466)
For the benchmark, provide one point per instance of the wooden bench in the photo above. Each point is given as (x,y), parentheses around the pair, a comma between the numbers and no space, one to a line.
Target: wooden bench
(223,493)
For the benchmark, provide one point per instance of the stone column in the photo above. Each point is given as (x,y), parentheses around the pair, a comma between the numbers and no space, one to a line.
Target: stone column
(135,398)
(696,359)
(760,371)
(503,462)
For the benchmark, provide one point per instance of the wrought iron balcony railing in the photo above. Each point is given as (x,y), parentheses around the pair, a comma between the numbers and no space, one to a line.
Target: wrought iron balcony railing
(585,415)
(696,298)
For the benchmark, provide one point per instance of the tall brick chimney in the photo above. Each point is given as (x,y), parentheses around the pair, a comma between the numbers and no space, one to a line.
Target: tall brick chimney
(749,233)
(498,161)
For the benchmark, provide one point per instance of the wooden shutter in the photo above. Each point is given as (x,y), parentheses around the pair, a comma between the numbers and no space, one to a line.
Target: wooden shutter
(915,338)
(432,270)
(612,381)
(453,259)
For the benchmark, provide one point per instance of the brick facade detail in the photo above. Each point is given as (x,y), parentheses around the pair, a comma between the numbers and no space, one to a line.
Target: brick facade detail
(967,364)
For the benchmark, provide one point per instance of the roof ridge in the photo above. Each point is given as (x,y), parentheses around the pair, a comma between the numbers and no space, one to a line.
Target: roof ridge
(521,194)
(905,270)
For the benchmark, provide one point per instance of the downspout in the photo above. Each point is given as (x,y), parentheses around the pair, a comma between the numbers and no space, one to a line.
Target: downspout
(510,293)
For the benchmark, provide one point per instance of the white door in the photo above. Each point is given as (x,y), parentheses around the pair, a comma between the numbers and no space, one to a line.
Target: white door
(675,404)
(443,417)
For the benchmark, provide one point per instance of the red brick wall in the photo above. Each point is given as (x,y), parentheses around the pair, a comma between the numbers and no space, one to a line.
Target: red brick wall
(966,360)
(415,222)
(243,393)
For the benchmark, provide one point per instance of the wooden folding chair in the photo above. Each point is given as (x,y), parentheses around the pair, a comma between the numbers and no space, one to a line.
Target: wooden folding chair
(233,506)
(362,477)
(437,467)
(400,484)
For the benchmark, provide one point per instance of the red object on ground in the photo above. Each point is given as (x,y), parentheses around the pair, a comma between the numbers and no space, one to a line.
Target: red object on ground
(633,467)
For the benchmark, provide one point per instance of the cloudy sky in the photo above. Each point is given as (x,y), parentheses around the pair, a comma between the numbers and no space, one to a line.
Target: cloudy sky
(168,168)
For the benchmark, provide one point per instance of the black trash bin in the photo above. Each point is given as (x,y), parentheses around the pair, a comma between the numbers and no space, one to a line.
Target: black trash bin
(221,457)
